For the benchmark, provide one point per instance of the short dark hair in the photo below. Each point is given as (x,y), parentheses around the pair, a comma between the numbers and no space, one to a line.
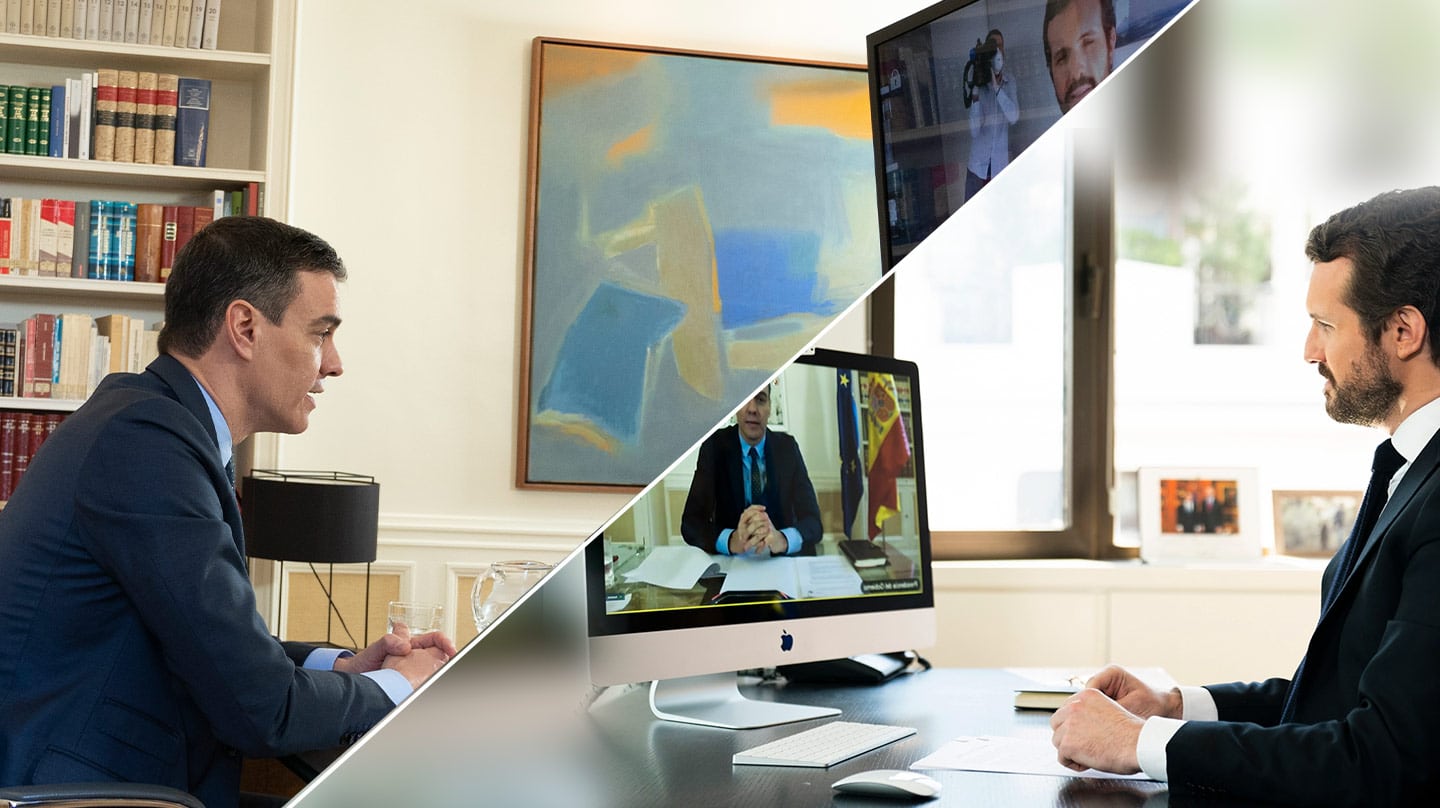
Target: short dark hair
(1393,241)
(248,258)
(1053,9)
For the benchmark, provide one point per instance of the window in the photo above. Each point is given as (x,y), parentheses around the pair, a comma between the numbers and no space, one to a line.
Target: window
(988,316)
(1052,371)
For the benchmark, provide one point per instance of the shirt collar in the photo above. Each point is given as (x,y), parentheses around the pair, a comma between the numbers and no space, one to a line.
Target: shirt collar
(222,429)
(1416,431)
(745,447)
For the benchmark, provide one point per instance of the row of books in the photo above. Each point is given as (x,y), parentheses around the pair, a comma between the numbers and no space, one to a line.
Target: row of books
(21,434)
(106,240)
(124,116)
(66,355)
(168,23)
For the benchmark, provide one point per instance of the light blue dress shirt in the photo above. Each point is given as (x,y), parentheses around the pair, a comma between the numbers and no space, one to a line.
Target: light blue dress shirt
(792,535)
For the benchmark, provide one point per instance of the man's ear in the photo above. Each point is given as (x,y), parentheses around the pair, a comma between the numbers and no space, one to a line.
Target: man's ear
(238,330)
(1412,333)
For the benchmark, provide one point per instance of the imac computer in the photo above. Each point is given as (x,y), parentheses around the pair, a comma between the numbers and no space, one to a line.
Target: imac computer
(842,484)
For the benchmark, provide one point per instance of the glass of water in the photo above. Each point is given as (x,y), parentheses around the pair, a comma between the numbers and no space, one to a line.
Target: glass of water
(413,617)
(501,585)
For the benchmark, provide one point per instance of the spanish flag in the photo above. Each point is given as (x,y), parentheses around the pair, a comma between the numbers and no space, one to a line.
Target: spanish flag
(886,452)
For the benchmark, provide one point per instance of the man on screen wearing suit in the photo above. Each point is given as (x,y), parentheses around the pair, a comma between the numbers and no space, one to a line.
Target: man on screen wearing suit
(751,494)
(133,649)
(1359,721)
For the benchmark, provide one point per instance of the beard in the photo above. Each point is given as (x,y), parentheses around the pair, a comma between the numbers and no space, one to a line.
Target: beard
(1368,397)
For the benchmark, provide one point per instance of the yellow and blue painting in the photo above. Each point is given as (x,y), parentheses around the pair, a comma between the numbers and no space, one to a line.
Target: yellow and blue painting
(697,221)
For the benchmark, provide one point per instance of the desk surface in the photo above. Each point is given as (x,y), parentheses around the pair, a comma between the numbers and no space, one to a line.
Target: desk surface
(900,566)
(678,764)
(481,745)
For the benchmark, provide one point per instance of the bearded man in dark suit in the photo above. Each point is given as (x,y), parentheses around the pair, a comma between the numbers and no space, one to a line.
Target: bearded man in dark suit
(1358,723)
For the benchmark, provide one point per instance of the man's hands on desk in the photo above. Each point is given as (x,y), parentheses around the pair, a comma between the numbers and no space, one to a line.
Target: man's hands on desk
(1099,727)
(755,533)
(416,658)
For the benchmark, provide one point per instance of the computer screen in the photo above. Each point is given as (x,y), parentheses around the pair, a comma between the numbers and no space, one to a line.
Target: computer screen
(820,551)
(960,89)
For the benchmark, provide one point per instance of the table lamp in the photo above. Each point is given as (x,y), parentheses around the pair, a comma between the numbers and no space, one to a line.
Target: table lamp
(317,517)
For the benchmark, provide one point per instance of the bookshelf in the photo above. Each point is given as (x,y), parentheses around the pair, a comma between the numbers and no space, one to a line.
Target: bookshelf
(251,74)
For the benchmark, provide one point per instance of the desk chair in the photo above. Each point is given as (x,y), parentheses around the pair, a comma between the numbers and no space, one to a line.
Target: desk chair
(96,795)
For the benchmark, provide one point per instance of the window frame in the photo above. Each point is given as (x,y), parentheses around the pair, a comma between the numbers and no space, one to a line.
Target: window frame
(1090,252)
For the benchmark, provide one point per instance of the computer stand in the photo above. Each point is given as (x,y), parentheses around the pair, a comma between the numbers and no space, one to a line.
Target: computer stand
(715,701)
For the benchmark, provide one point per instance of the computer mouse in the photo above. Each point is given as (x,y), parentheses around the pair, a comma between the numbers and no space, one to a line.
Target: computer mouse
(888,783)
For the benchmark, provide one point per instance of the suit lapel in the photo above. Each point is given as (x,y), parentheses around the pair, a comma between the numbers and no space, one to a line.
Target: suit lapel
(735,468)
(1416,476)
(772,474)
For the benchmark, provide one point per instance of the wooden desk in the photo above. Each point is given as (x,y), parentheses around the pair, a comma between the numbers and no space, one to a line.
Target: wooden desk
(678,764)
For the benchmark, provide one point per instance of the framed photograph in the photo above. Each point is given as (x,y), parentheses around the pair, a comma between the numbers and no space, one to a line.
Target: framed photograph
(695,220)
(1199,514)
(1314,523)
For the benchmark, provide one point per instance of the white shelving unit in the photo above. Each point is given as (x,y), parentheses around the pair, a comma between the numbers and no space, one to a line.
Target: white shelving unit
(251,76)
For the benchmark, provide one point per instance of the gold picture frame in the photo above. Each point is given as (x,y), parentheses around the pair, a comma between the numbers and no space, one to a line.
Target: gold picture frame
(1313,523)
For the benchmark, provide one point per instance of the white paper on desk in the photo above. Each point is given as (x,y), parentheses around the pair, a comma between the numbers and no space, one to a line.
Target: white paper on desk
(749,574)
(1007,755)
(672,566)
(796,576)
(826,577)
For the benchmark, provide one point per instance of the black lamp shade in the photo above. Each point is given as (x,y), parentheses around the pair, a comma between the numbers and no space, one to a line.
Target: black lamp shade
(327,517)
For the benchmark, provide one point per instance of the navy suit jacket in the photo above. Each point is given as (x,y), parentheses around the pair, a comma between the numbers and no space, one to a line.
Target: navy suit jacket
(1366,729)
(717,492)
(133,649)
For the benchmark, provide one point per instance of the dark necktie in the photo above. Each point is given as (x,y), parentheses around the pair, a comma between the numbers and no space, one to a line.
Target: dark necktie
(757,481)
(230,471)
(1387,462)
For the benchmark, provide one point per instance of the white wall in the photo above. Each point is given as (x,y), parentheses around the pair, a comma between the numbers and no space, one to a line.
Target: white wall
(1201,623)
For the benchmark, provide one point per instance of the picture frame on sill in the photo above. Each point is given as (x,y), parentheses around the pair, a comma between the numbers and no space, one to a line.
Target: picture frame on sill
(1313,523)
(1199,514)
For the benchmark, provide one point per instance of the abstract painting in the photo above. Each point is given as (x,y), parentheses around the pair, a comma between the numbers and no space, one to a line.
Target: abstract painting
(695,220)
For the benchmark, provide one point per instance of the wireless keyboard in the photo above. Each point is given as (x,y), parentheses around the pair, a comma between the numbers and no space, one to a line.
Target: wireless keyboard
(822,746)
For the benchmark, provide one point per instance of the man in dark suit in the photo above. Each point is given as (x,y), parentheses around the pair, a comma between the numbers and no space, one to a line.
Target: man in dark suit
(134,651)
(1359,721)
(1211,511)
(751,494)
(1187,518)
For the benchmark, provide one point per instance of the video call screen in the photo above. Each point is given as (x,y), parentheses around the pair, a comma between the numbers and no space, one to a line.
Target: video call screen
(840,483)
(959,90)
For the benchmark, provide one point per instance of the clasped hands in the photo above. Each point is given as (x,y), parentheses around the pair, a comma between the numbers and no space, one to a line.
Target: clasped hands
(755,534)
(1099,727)
(416,658)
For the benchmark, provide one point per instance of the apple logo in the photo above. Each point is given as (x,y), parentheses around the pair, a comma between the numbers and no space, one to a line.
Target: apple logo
(786,641)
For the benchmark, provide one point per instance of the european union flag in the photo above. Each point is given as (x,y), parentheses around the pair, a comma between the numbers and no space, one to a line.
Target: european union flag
(852,474)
